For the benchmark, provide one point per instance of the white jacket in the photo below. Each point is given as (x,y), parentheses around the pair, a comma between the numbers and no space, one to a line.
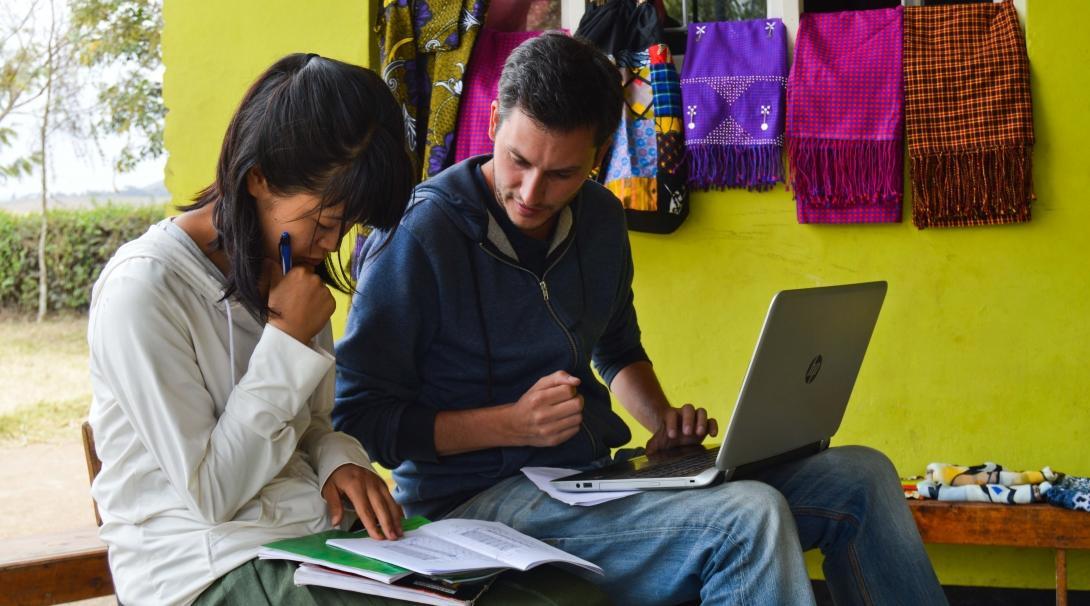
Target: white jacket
(213,429)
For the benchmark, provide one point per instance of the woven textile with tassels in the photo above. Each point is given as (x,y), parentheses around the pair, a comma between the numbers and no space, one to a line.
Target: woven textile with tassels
(968,115)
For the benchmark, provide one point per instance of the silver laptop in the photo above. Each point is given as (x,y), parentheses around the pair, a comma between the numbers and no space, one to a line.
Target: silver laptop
(792,400)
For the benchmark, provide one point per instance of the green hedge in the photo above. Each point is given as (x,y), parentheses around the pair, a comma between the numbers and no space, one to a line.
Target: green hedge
(79,243)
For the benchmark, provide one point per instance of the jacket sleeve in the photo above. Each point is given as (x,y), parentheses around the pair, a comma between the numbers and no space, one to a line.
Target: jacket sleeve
(142,348)
(390,326)
(328,449)
(620,344)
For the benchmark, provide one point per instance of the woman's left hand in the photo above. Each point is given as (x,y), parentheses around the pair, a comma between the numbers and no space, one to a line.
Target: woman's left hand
(369,495)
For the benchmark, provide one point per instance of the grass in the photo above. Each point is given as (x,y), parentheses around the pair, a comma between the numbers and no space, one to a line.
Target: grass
(45,389)
(43,422)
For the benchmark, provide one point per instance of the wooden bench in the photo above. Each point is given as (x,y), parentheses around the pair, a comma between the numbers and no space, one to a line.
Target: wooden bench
(987,524)
(73,566)
(53,569)
(57,568)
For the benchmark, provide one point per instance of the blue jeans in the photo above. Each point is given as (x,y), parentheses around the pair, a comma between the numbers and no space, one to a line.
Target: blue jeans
(740,542)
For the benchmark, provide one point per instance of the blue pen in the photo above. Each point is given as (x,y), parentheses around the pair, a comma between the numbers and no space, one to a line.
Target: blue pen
(285,252)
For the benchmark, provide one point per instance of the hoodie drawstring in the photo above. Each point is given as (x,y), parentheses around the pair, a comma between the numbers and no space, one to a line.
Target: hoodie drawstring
(230,340)
(480,318)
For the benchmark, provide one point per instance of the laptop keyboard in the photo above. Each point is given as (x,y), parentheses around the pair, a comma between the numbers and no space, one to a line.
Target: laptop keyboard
(679,468)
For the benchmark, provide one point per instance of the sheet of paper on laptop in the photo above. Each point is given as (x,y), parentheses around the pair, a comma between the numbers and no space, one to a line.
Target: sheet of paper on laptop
(542,476)
(457,545)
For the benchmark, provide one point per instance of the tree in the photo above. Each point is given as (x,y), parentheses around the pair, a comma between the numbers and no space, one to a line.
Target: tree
(40,84)
(48,56)
(125,35)
(21,86)
(60,111)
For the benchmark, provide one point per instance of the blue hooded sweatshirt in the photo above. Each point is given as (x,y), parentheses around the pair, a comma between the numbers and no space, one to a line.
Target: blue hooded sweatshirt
(446,318)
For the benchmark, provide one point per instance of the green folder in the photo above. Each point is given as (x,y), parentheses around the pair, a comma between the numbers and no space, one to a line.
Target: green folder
(312,549)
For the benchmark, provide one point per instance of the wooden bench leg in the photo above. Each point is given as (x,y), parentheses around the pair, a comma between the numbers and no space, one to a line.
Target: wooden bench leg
(1061,577)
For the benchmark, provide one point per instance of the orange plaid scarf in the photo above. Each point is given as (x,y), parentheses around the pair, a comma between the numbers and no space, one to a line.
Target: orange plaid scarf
(968,116)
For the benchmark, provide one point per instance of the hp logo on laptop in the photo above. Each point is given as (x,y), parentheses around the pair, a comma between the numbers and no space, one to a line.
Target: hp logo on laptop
(814,369)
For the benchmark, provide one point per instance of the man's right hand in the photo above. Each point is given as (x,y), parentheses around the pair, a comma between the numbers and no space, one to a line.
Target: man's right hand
(549,413)
(299,302)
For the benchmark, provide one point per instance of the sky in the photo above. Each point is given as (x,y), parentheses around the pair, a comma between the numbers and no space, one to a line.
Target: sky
(75,166)
(73,173)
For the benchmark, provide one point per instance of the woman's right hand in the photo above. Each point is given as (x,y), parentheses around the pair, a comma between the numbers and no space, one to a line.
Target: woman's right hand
(299,302)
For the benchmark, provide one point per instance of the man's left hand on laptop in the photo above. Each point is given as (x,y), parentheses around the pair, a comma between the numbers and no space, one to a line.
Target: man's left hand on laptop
(682,426)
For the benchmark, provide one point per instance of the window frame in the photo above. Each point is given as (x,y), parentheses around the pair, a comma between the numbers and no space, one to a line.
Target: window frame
(571,11)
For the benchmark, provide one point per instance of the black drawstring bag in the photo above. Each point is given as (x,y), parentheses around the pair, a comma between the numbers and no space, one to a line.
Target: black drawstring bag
(616,26)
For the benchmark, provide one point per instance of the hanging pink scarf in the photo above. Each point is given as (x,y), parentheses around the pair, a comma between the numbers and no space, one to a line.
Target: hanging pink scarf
(845,118)
(480,83)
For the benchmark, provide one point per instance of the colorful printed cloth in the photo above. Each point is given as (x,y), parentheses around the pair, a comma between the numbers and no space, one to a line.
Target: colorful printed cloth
(1071,492)
(986,483)
(425,46)
(986,473)
(479,90)
(645,168)
(844,117)
(986,493)
(968,113)
(733,83)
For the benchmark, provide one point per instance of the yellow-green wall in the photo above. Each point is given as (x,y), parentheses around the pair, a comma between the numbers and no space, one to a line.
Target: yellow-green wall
(981,351)
(213,51)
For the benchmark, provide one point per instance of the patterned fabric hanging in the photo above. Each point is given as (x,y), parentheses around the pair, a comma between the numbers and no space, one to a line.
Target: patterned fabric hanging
(732,87)
(645,167)
(845,117)
(968,113)
(425,47)
(481,81)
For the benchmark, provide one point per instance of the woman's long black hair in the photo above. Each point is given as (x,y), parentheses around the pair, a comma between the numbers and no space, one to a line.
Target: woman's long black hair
(312,125)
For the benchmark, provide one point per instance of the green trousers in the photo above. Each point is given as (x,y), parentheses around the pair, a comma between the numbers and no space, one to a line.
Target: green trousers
(270,582)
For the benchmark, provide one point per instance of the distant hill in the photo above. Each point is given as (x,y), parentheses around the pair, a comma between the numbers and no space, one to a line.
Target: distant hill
(154,193)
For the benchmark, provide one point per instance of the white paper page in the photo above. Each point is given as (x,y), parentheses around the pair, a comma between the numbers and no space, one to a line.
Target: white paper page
(312,575)
(420,553)
(502,543)
(541,477)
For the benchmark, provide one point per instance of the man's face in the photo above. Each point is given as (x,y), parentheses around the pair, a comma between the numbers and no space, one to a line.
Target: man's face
(536,172)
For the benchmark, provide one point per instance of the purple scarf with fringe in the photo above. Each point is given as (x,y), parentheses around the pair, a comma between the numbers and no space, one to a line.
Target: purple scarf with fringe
(732,91)
(845,117)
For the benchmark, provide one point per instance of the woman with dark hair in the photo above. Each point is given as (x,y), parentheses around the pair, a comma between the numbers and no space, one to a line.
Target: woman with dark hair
(210,358)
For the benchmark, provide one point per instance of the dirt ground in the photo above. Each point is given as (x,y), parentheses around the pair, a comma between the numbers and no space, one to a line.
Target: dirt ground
(44,488)
(43,482)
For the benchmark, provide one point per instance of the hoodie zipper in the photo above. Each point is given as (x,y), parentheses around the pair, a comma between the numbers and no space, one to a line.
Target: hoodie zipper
(548,305)
(544,293)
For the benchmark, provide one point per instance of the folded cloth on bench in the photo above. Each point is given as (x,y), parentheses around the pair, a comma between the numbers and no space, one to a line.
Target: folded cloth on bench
(1072,492)
(985,473)
(985,493)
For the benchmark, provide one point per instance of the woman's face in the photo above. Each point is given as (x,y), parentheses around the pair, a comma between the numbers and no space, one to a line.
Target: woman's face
(315,231)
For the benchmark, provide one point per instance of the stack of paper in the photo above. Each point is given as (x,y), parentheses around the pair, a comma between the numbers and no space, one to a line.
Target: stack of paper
(447,562)
(542,478)
(314,550)
(421,590)
(458,546)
